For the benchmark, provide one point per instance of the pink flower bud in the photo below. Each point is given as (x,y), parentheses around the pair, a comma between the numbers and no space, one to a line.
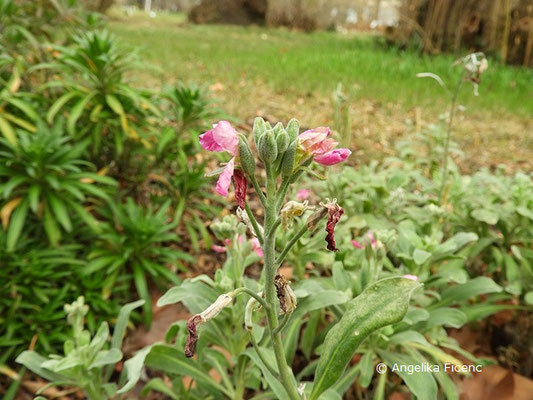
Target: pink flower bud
(333,157)
(412,277)
(218,249)
(356,244)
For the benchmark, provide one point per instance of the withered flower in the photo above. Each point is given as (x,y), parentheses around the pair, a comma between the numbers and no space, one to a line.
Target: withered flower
(196,320)
(286,296)
(334,215)
(241,187)
(292,209)
(192,338)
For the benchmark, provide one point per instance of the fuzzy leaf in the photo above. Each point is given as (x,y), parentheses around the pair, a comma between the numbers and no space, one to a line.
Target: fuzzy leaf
(381,304)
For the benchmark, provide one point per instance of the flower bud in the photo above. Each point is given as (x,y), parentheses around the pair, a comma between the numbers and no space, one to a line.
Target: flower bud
(286,296)
(293,129)
(268,148)
(283,141)
(258,129)
(246,156)
(287,163)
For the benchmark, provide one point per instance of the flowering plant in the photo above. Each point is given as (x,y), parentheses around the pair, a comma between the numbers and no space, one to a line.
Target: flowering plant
(286,155)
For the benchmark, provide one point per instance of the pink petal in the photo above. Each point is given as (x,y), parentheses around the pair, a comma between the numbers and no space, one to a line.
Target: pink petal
(323,147)
(256,247)
(207,141)
(333,157)
(412,277)
(226,137)
(356,244)
(303,194)
(224,180)
(311,137)
(218,249)
(370,237)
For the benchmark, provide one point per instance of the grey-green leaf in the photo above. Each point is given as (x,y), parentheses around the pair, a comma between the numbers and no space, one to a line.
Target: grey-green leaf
(383,303)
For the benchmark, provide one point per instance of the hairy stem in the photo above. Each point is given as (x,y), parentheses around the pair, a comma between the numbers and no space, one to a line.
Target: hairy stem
(286,375)
(258,190)
(254,223)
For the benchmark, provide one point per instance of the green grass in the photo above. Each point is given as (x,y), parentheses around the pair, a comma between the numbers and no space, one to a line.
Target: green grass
(297,63)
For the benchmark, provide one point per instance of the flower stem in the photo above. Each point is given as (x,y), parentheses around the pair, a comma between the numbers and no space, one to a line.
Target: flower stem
(449,136)
(286,376)
(254,223)
(291,243)
(258,189)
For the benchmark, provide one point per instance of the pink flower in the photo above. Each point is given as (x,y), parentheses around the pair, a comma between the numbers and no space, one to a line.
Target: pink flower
(218,249)
(333,157)
(370,237)
(317,143)
(223,137)
(357,245)
(256,246)
(412,277)
(303,194)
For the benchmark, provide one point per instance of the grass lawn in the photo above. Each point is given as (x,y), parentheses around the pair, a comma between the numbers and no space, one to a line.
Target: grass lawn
(257,70)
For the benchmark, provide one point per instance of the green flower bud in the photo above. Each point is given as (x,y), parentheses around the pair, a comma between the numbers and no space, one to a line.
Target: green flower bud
(246,156)
(283,140)
(258,129)
(287,164)
(268,149)
(293,129)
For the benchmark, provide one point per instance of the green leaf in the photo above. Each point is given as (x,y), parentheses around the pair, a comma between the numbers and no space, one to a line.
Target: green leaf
(133,368)
(50,226)
(33,197)
(76,112)
(142,289)
(54,109)
(528,298)
(172,361)
(465,291)
(487,216)
(422,385)
(106,357)
(33,361)
(60,211)
(420,256)
(451,317)
(272,381)
(158,385)
(16,224)
(114,104)
(381,304)
(8,131)
(122,323)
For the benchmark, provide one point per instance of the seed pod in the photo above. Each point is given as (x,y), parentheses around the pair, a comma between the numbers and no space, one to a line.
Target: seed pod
(293,129)
(268,148)
(246,156)
(287,164)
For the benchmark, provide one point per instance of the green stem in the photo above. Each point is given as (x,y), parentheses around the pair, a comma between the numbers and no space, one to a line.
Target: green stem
(291,243)
(261,357)
(286,375)
(449,136)
(282,193)
(251,293)
(254,223)
(258,190)
(283,322)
